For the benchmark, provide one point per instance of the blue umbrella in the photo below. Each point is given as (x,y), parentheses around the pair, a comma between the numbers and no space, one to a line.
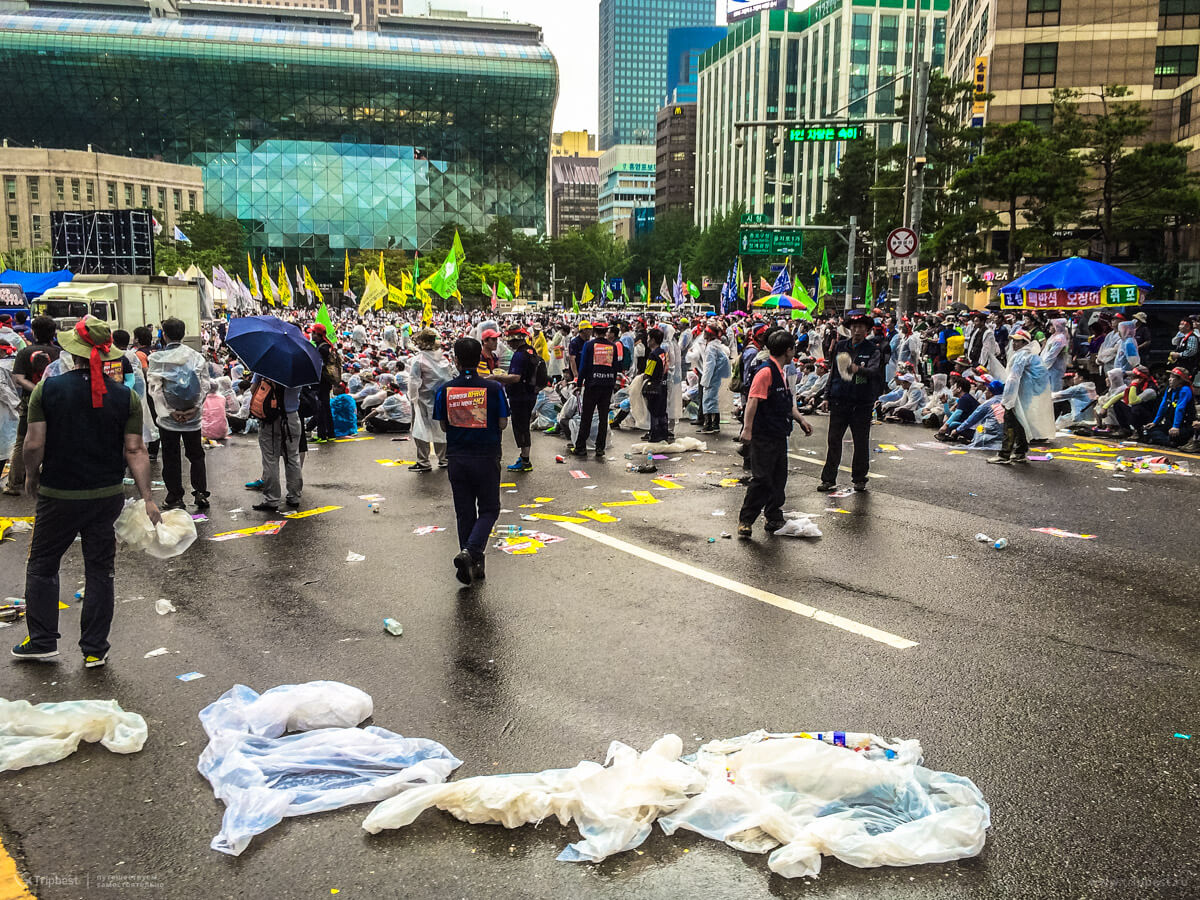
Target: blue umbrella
(274,349)
(1073,274)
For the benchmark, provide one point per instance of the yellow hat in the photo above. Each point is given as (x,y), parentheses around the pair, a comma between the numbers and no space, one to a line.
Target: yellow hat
(584,324)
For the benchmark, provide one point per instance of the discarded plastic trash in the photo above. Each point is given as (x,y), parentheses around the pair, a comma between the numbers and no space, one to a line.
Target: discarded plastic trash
(161,651)
(798,525)
(681,445)
(983,538)
(718,512)
(712,540)
(35,735)
(559,459)
(423,529)
(1001,544)
(842,493)
(1058,532)
(264,774)
(162,606)
(190,676)
(391,626)
(169,538)
(12,609)
(579,473)
(354,557)
(1183,737)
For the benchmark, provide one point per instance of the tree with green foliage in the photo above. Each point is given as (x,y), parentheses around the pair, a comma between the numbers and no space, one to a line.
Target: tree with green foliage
(215,241)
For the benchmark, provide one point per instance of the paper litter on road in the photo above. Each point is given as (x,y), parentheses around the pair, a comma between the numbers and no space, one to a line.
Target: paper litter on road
(840,494)
(161,651)
(263,774)
(1058,532)
(372,498)
(354,557)
(579,473)
(718,512)
(35,735)
(162,606)
(189,676)
(424,529)
(858,797)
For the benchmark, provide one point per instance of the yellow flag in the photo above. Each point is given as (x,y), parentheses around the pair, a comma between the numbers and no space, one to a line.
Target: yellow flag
(517,285)
(373,292)
(268,286)
(397,296)
(253,279)
(285,287)
(345,275)
(426,299)
(382,276)
(586,297)
(310,285)
(406,283)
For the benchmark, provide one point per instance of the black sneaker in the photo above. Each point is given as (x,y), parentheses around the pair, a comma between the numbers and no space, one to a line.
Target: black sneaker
(24,650)
(826,486)
(94,662)
(265,507)
(477,569)
(463,566)
(293,504)
(202,502)
(772,527)
(860,486)
(745,530)
(173,504)
(420,467)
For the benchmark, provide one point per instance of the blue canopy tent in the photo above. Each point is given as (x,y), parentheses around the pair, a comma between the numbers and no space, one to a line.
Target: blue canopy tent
(1074,283)
(34,284)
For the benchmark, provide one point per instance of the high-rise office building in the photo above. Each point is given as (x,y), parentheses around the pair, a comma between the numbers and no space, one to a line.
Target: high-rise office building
(633,62)
(626,184)
(675,152)
(319,140)
(684,47)
(837,60)
(574,192)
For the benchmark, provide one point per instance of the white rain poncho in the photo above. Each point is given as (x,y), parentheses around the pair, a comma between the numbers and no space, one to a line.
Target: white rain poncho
(35,735)
(430,370)
(264,774)
(1027,393)
(1128,357)
(177,380)
(674,374)
(10,411)
(1082,398)
(716,371)
(1056,353)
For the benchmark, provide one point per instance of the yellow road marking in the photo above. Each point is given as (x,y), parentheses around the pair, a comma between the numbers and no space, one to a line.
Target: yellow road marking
(603,518)
(801,609)
(821,462)
(550,518)
(11,885)
(310,512)
(640,498)
(669,485)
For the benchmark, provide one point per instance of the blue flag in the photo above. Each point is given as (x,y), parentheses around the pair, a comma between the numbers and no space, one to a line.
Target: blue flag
(180,236)
(679,288)
(783,284)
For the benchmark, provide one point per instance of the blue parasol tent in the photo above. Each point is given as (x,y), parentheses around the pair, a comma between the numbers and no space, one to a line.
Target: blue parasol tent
(1073,274)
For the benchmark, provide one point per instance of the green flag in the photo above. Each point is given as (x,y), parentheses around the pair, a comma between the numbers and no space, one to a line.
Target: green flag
(825,283)
(574,303)
(503,292)
(870,295)
(444,281)
(323,319)
(693,290)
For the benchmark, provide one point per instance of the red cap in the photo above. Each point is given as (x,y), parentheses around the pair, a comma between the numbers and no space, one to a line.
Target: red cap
(490,333)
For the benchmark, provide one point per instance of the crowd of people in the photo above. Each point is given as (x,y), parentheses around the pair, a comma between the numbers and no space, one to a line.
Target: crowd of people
(996,381)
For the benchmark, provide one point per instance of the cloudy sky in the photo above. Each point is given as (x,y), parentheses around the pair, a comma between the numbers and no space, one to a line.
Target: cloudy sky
(570,28)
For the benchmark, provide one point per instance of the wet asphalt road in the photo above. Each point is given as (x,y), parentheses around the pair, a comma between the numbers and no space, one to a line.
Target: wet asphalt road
(1054,673)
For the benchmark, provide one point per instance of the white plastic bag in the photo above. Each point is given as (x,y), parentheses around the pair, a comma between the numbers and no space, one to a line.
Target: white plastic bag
(35,735)
(854,796)
(263,775)
(613,805)
(798,525)
(679,445)
(171,537)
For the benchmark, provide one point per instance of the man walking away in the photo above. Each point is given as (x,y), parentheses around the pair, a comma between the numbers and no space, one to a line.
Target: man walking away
(855,375)
(767,424)
(526,375)
(277,409)
(27,371)
(598,377)
(178,381)
(473,412)
(84,428)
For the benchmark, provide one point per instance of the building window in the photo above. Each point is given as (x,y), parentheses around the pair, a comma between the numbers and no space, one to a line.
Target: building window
(1041,62)
(1171,64)
(91,193)
(129,196)
(75,190)
(112,194)
(10,187)
(35,189)
(162,199)
(60,190)
(1177,14)
(191,199)
(14,231)
(177,200)
(37,231)
(1040,114)
(1041,12)
(145,197)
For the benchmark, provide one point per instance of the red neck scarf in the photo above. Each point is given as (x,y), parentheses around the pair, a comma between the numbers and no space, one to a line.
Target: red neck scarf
(99,389)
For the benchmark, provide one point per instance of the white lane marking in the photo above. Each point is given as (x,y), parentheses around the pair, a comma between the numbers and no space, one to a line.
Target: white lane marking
(801,609)
(821,462)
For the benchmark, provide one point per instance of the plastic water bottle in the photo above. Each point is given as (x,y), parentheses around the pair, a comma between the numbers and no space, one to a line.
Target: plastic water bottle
(983,538)
(649,460)
(1001,544)
(391,626)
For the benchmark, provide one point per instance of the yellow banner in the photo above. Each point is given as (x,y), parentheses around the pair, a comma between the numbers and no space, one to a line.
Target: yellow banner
(979,106)
(923,281)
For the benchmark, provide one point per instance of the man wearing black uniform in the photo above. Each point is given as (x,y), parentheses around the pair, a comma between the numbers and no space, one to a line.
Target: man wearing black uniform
(473,413)
(767,424)
(654,388)
(85,426)
(851,400)
(520,384)
(598,377)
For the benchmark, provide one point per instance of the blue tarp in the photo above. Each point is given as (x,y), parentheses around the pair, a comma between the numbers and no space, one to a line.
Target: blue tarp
(1073,274)
(34,284)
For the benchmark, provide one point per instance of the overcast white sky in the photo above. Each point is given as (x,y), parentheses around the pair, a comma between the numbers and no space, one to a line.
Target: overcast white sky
(571,31)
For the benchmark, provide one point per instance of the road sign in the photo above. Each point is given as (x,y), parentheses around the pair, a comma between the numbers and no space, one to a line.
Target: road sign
(898,266)
(902,243)
(770,242)
(756,219)
(827,133)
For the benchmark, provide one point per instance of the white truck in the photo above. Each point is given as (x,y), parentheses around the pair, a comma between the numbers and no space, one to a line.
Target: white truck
(124,302)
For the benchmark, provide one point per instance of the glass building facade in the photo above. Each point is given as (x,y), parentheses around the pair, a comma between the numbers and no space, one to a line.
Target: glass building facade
(684,46)
(633,62)
(319,140)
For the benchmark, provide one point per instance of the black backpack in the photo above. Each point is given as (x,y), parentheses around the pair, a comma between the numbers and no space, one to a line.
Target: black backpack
(537,375)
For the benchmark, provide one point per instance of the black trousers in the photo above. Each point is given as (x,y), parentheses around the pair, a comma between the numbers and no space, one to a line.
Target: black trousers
(768,480)
(475,485)
(172,463)
(387,426)
(324,413)
(858,420)
(656,404)
(56,524)
(1015,441)
(520,409)
(1161,435)
(596,398)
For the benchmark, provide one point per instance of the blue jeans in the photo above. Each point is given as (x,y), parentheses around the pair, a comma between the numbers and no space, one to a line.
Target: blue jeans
(475,485)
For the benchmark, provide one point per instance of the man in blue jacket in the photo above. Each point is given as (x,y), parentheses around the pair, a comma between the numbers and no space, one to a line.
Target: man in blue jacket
(1173,426)
(855,378)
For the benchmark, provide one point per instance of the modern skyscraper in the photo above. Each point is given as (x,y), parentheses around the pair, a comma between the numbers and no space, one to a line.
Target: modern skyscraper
(574,192)
(633,62)
(684,46)
(675,148)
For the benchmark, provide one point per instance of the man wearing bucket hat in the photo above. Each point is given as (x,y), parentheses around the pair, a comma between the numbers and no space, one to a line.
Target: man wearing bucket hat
(84,428)
(1173,425)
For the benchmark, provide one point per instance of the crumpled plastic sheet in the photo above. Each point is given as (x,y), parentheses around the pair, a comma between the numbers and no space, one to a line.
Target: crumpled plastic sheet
(798,525)
(264,774)
(680,445)
(171,537)
(858,797)
(614,805)
(35,735)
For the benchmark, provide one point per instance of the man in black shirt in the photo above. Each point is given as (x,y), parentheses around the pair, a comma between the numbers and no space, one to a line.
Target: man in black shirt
(521,386)
(84,428)
(855,377)
(598,377)
(27,371)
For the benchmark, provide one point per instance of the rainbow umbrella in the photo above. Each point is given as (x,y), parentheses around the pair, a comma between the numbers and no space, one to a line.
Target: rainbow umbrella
(778,301)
